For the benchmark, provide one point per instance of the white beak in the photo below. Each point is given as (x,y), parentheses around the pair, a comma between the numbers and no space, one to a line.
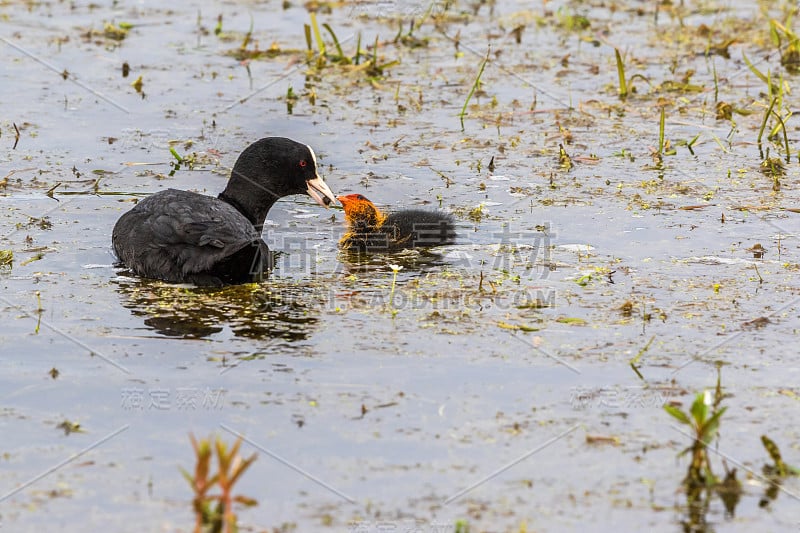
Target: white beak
(320,192)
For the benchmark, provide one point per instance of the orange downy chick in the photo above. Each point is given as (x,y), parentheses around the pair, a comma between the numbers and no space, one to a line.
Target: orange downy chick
(371,230)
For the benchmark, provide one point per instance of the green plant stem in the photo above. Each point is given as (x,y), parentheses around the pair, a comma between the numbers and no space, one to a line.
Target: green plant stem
(335,41)
(785,136)
(391,293)
(317,34)
(764,122)
(623,86)
(473,89)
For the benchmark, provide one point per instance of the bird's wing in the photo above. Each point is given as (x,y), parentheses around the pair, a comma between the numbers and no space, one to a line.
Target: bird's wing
(180,231)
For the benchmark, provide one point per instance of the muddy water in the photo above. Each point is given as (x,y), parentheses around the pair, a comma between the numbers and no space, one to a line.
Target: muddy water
(493,385)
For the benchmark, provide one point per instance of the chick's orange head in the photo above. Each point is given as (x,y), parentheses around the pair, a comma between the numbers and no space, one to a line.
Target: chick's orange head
(358,209)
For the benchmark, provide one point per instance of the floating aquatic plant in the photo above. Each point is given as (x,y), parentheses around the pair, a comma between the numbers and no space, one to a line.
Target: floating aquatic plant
(319,56)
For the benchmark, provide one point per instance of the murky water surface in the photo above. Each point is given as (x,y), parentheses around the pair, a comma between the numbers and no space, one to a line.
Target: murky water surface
(493,385)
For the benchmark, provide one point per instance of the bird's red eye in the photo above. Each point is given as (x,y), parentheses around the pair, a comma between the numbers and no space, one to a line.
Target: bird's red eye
(359,197)
(303,163)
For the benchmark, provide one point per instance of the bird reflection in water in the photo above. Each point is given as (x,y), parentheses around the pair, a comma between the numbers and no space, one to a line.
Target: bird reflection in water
(287,310)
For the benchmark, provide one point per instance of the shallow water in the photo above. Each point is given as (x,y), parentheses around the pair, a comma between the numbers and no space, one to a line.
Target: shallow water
(495,364)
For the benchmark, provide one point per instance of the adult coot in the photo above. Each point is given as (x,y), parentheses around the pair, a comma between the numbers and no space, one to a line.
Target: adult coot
(181,236)
(370,230)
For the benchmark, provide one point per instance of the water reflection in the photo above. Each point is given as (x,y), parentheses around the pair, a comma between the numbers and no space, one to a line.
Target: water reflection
(274,309)
(420,260)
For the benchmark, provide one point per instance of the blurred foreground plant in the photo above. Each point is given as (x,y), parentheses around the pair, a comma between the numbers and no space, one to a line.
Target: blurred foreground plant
(214,512)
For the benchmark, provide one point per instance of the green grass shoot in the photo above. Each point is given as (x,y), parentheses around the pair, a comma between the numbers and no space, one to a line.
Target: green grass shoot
(772,89)
(248,35)
(341,57)
(757,73)
(317,34)
(475,86)
(307,30)
(623,85)
(635,360)
(782,126)
(766,117)
(716,81)
(358,49)
(691,143)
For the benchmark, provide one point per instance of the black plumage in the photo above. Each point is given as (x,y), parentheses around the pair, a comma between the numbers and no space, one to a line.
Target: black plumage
(182,236)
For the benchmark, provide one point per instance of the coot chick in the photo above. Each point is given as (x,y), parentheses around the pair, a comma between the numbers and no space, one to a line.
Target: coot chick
(370,230)
(185,237)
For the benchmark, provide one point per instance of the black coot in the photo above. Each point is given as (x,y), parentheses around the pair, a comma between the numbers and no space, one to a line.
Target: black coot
(185,237)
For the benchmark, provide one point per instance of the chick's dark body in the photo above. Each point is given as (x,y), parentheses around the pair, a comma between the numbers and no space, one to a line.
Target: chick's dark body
(372,231)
